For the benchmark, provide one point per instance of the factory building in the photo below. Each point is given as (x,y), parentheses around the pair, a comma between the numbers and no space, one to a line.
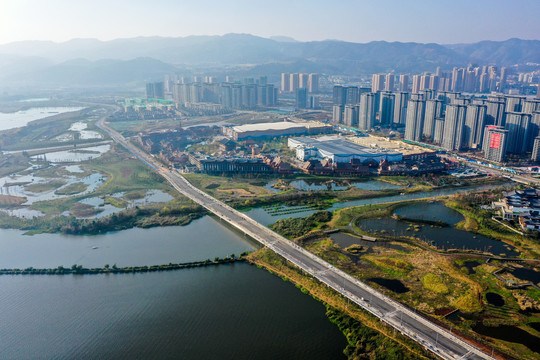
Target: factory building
(275,129)
(339,150)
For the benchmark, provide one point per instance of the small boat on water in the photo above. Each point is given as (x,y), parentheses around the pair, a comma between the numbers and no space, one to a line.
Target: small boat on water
(94,247)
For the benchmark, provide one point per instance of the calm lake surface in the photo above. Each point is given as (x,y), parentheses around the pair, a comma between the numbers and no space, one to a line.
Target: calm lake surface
(441,237)
(221,312)
(23,117)
(204,238)
(430,211)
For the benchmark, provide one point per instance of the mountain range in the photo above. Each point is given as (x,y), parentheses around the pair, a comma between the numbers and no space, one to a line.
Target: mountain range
(81,62)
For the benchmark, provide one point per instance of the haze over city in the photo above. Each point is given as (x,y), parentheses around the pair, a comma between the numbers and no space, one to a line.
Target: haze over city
(442,22)
(305,180)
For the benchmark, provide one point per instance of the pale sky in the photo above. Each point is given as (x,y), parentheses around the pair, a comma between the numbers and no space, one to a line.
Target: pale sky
(424,21)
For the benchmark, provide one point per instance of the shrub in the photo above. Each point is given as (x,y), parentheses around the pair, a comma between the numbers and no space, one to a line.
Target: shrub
(434,283)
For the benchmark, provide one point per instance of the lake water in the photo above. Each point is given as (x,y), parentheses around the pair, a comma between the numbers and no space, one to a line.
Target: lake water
(510,333)
(526,274)
(16,186)
(204,238)
(151,197)
(23,117)
(75,155)
(394,285)
(441,237)
(430,211)
(220,312)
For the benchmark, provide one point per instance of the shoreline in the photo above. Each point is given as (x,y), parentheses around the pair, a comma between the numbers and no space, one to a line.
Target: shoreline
(80,270)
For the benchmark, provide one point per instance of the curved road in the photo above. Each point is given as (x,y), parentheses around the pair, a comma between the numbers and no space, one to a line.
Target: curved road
(433,337)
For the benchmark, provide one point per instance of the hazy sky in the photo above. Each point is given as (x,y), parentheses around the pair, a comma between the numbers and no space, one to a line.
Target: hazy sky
(449,21)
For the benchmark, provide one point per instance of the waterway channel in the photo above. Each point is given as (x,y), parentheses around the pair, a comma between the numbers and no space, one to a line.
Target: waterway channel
(261,215)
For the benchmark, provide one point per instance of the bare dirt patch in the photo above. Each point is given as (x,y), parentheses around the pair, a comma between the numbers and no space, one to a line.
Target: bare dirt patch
(10,200)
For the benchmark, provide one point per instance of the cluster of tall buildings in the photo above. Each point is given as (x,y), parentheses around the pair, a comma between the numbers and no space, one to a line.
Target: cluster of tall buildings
(249,94)
(155,90)
(498,124)
(472,79)
(290,83)
(361,108)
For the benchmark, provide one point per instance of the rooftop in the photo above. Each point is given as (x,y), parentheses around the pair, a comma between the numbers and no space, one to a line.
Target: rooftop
(390,145)
(276,126)
(340,146)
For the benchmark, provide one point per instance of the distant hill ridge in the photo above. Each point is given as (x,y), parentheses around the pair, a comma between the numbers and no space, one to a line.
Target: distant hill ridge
(116,60)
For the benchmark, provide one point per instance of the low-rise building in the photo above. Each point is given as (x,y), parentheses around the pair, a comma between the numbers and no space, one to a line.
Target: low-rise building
(275,129)
(339,150)
(520,203)
(230,165)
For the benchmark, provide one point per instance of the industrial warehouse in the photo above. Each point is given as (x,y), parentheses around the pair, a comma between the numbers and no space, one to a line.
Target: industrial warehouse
(275,129)
(339,150)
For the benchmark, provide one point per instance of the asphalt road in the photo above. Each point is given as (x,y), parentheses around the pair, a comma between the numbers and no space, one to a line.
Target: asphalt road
(433,337)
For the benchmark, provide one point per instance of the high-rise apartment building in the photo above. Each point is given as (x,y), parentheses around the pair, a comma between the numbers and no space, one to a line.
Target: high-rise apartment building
(377,83)
(424,81)
(434,82)
(495,143)
(350,115)
(438,131)
(249,96)
(514,103)
(474,126)
(339,95)
(531,105)
(535,156)
(301,98)
(386,112)
(303,81)
(313,83)
(285,82)
(403,82)
(352,95)
(428,94)
(389,82)
(502,81)
(519,132)
(433,111)
(266,95)
(414,122)
(495,112)
(367,110)
(464,101)
(400,107)
(454,123)
(155,90)
(416,80)
(294,83)
(337,114)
